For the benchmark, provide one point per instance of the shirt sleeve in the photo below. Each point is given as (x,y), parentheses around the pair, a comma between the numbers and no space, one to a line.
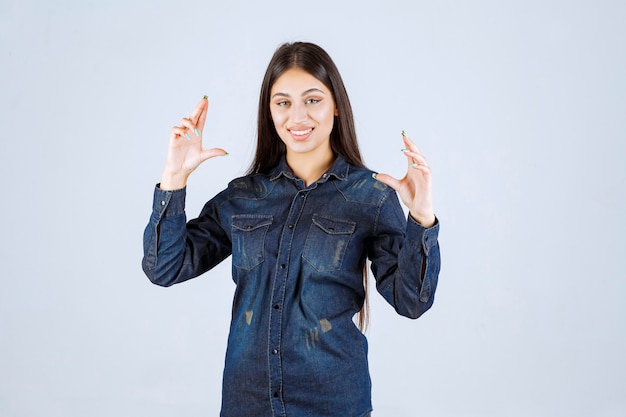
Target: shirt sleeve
(405,259)
(174,250)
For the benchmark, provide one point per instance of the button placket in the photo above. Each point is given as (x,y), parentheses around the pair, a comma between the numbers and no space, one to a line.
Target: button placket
(278,294)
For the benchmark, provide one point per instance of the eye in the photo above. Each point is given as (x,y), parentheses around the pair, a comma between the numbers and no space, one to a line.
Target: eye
(313,100)
(282,103)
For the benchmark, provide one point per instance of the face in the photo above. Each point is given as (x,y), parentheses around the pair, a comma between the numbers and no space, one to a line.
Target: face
(303,111)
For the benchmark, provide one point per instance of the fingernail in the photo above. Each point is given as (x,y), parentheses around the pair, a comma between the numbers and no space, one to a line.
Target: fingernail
(187,136)
(414,164)
(374,175)
(403,134)
(197,132)
(206,97)
(404,150)
(225,153)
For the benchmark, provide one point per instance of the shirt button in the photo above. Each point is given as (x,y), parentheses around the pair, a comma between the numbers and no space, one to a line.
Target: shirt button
(276,306)
(162,203)
(274,351)
(282,266)
(275,394)
(290,226)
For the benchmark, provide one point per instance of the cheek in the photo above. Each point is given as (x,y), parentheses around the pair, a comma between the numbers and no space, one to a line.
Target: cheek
(278,119)
(329,110)
(327,116)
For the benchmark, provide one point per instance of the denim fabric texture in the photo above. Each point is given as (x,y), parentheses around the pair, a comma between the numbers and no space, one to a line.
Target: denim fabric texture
(297,261)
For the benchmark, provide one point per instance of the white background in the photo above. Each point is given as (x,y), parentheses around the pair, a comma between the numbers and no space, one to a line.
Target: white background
(518,105)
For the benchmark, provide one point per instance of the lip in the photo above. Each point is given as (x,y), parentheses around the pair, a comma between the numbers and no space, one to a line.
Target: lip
(300,133)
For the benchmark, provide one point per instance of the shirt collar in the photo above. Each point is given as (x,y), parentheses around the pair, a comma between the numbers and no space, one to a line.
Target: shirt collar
(339,169)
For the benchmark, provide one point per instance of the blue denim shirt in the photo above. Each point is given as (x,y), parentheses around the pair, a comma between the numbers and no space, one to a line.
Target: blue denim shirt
(297,261)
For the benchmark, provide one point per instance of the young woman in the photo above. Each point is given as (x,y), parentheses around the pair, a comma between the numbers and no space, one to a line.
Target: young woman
(299,226)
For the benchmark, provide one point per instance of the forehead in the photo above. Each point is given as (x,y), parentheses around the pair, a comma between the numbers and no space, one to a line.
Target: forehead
(296,81)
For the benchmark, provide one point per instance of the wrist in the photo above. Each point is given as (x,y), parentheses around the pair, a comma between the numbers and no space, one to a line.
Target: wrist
(171,182)
(426,221)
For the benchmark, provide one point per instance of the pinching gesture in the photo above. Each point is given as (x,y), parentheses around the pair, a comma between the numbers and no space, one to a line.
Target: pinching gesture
(415,189)
(185,152)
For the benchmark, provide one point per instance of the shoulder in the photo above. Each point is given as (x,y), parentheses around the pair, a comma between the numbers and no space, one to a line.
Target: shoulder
(250,186)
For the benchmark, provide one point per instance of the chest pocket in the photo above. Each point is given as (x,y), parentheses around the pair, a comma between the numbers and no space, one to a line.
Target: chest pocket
(326,242)
(248,237)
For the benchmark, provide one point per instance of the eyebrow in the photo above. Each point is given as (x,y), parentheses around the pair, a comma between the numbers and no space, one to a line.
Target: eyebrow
(310,90)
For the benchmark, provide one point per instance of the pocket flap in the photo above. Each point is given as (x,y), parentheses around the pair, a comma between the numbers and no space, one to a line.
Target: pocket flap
(249,222)
(334,226)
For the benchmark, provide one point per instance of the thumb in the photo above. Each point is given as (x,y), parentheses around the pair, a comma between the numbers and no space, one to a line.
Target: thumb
(211,153)
(388,180)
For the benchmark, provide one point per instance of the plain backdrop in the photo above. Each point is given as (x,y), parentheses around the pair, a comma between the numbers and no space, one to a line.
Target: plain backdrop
(519,107)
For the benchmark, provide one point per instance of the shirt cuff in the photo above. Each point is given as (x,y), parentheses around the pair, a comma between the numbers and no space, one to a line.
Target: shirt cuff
(169,203)
(422,237)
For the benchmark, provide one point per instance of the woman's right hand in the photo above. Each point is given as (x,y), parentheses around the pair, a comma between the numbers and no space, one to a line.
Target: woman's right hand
(185,152)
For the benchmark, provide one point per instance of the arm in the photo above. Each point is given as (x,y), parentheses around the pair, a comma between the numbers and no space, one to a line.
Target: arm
(405,255)
(174,251)
(405,260)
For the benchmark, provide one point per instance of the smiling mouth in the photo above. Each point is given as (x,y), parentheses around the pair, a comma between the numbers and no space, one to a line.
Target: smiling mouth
(301,132)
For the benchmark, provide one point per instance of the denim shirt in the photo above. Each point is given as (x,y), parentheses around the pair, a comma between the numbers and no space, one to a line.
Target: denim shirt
(298,257)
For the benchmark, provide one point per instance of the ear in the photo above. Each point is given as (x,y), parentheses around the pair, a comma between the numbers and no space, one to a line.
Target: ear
(336,111)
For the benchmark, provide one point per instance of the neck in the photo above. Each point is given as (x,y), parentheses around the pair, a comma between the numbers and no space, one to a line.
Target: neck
(308,168)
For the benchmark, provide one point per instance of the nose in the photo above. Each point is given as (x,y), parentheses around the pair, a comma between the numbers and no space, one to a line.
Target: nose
(298,113)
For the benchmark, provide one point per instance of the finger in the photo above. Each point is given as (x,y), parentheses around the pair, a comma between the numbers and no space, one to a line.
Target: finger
(414,157)
(191,131)
(388,180)
(178,131)
(202,117)
(188,124)
(425,169)
(410,144)
(211,153)
(197,111)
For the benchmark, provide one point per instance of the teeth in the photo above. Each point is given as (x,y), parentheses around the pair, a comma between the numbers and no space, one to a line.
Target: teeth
(301,132)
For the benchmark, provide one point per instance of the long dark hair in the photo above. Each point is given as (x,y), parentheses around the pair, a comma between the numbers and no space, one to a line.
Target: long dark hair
(314,60)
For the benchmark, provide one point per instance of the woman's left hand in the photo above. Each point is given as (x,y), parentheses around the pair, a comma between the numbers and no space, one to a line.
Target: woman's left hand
(415,189)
